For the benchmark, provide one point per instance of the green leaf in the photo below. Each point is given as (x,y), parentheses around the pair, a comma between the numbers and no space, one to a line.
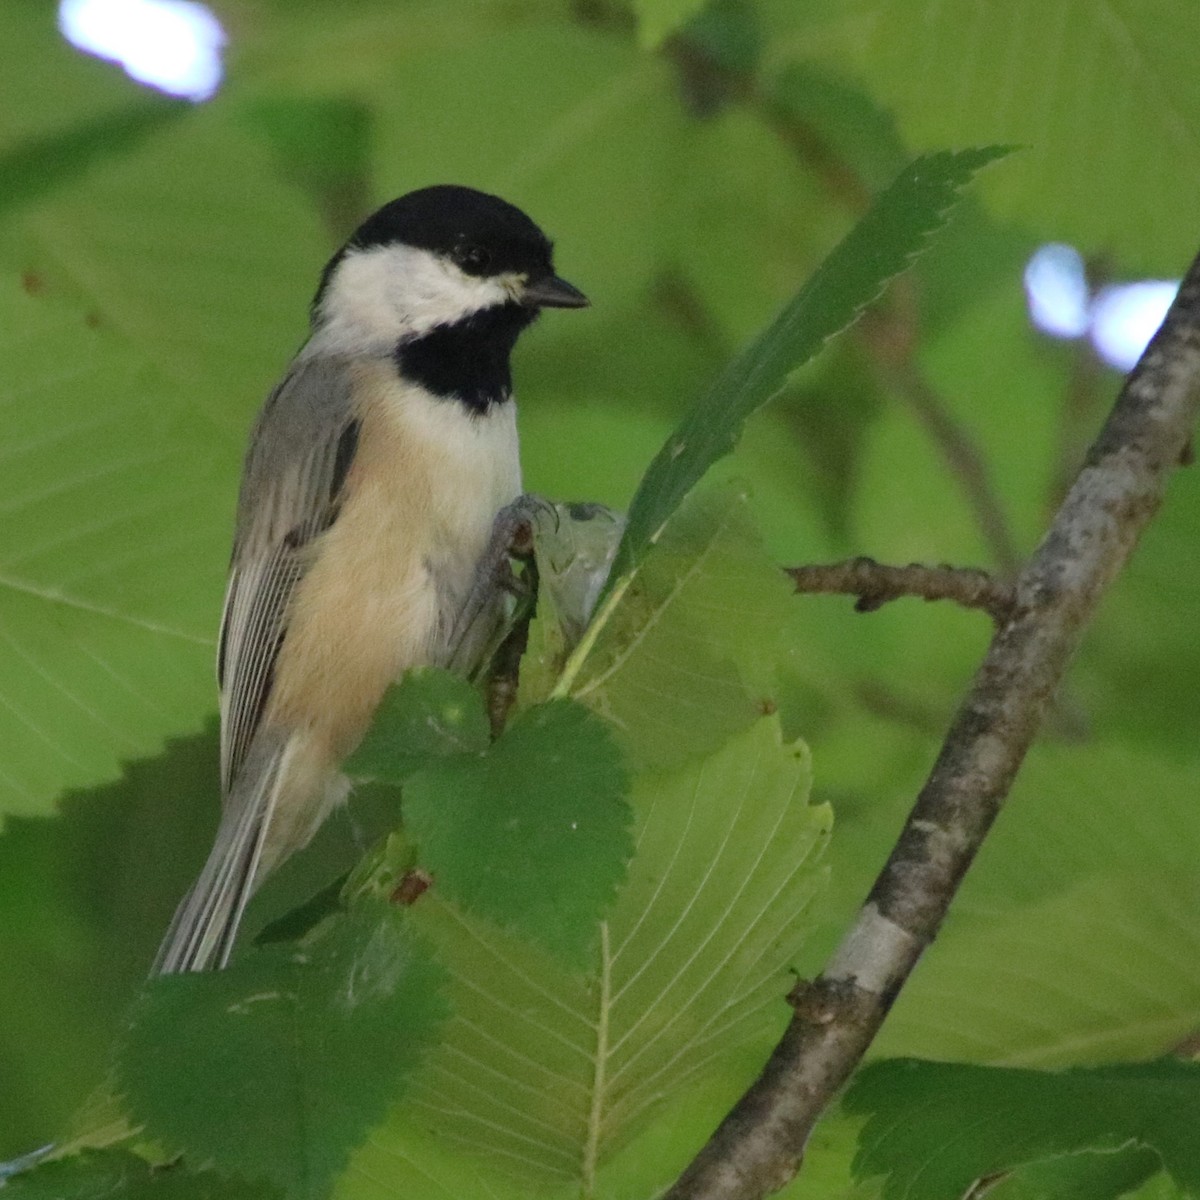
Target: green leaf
(139,335)
(40,165)
(108,582)
(1158,1187)
(1036,73)
(428,714)
(49,87)
(277,1066)
(102,1175)
(323,145)
(86,898)
(659,18)
(534,835)
(858,132)
(408,1160)
(895,230)
(1087,1175)
(691,653)
(975,1121)
(544,1072)
(208,281)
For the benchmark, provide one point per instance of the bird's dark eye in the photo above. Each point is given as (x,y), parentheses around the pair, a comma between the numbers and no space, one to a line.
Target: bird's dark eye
(473,259)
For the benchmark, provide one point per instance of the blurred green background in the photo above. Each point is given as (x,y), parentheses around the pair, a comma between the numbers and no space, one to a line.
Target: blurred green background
(693,163)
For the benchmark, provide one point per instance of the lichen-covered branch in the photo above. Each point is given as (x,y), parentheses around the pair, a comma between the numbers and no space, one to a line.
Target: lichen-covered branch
(759,1145)
(875,584)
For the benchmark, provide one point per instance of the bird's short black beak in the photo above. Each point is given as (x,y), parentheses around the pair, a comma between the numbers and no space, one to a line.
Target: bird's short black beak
(552,292)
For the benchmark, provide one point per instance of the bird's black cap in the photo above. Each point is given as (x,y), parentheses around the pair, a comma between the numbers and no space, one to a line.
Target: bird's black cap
(483,234)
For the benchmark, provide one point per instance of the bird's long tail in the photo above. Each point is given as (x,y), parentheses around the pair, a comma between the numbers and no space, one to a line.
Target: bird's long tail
(206,922)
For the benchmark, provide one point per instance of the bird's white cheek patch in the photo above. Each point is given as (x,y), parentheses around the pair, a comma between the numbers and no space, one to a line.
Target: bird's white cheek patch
(385,293)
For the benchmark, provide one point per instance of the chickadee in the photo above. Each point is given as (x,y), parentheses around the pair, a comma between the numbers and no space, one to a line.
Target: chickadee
(374,474)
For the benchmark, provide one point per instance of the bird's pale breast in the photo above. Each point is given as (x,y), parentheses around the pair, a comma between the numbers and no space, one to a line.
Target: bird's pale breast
(388,577)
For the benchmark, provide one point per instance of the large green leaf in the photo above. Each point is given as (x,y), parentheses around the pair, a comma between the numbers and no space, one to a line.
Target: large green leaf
(1074,937)
(49,87)
(544,1073)
(530,831)
(87,897)
(1104,97)
(691,654)
(110,571)
(1086,1175)
(533,835)
(403,1159)
(1158,1187)
(197,250)
(429,714)
(659,18)
(38,166)
(277,1066)
(937,1127)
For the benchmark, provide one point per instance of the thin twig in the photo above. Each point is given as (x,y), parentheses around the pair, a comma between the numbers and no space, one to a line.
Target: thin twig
(875,584)
(759,1145)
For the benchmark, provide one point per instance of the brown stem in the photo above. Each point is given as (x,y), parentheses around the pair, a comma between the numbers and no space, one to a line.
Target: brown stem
(759,1145)
(875,584)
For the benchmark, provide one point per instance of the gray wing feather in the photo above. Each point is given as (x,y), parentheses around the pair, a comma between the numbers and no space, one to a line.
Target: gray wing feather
(205,924)
(300,452)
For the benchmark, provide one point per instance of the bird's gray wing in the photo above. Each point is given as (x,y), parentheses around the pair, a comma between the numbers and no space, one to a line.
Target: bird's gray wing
(300,452)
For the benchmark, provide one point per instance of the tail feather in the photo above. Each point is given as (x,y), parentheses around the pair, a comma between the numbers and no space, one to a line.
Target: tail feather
(205,924)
